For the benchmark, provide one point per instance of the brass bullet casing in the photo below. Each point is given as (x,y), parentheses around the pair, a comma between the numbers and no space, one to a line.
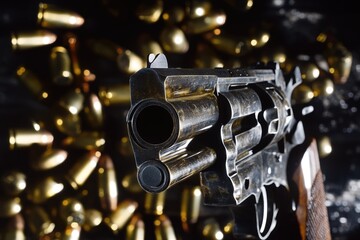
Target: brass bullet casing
(87,140)
(9,207)
(73,101)
(71,232)
(12,183)
(60,65)
(31,82)
(44,189)
(227,44)
(323,86)
(190,205)
(340,61)
(124,211)
(81,170)
(38,221)
(154,203)
(302,94)
(148,45)
(72,212)
(309,71)
(149,11)
(93,111)
(107,189)
(115,94)
(32,39)
(66,122)
(135,230)
(49,159)
(14,230)
(93,218)
(173,15)
(52,16)
(324,146)
(19,138)
(211,230)
(129,62)
(196,9)
(130,183)
(208,22)
(163,228)
(173,40)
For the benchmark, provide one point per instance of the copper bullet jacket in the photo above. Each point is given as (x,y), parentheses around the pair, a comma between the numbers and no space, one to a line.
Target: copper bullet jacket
(107,189)
(149,11)
(124,211)
(135,230)
(45,189)
(32,39)
(52,16)
(60,65)
(10,207)
(19,138)
(51,158)
(66,122)
(38,221)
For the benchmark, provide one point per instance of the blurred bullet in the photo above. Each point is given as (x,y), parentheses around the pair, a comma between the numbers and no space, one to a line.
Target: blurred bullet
(73,101)
(44,189)
(49,159)
(9,207)
(147,45)
(66,122)
(149,11)
(324,146)
(205,23)
(173,15)
(115,94)
(32,39)
(130,183)
(163,228)
(323,86)
(173,40)
(52,16)
(226,43)
(135,230)
(340,61)
(309,71)
(259,38)
(190,205)
(93,111)
(242,5)
(60,65)
(83,167)
(87,140)
(211,230)
(129,62)
(12,183)
(38,221)
(19,138)
(93,218)
(302,94)
(71,232)
(196,9)
(105,48)
(31,82)
(72,211)
(154,203)
(117,219)
(108,189)
(14,230)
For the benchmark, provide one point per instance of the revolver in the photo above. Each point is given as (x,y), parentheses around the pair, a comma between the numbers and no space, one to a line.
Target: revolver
(235,127)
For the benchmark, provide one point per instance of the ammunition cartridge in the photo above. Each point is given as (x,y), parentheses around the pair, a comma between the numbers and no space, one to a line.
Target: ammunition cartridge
(117,219)
(38,221)
(324,146)
(147,45)
(14,229)
(309,71)
(149,11)
(12,183)
(93,111)
(175,14)
(93,218)
(108,189)
(32,39)
(9,207)
(340,61)
(164,228)
(196,9)
(71,232)
(211,230)
(72,212)
(322,86)
(66,122)
(19,138)
(302,94)
(205,23)
(129,62)
(49,159)
(31,82)
(130,183)
(190,205)
(114,94)
(52,16)
(44,189)
(154,203)
(60,65)
(73,101)
(87,140)
(135,230)
(173,40)
(226,43)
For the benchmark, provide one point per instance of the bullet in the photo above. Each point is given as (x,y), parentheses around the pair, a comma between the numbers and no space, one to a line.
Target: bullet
(229,228)
(83,167)
(124,211)
(196,9)
(302,94)
(66,122)
(309,71)
(19,138)
(38,221)
(31,82)
(93,218)
(115,94)
(135,230)
(60,65)
(87,140)
(258,39)
(14,230)
(72,43)
(173,40)
(149,11)
(210,21)
(9,207)
(340,61)
(44,190)
(12,183)
(226,43)
(31,39)
(52,16)
(49,159)
(154,203)
(324,146)
(211,230)
(148,45)
(72,211)
(190,205)
(93,111)
(129,62)
(173,15)
(323,86)
(108,189)
(130,183)
(163,228)
(71,232)
(73,101)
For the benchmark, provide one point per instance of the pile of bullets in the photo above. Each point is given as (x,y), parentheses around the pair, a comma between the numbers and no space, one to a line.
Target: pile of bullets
(69,172)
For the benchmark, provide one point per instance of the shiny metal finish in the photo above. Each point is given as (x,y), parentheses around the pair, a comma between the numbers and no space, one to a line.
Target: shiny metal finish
(52,16)
(211,230)
(73,101)
(71,233)
(32,82)
(302,94)
(19,138)
(32,39)
(154,203)
(135,230)
(87,140)
(10,207)
(129,62)
(93,218)
(66,122)
(39,221)
(44,189)
(174,40)
(114,94)
(93,110)
(164,229)
(61,66)
(190,205)
(12,183)
(323,86)
(117,219)
(49,159)
(205,23)
(130,183)
(107,189)
(72,211)
(149,11)
(324,146)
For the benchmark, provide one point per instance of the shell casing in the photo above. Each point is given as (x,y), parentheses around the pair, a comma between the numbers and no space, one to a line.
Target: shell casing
(196,9)
(45,189)
(71,232)
(32,82)
(226,43)
(38,221)
(190,205)
(173,40)
(324,146)
(211,230)
(73,101)
(19,138)
(164,229)
(10,207)
(302,94)
(52,16)
(32,39)
(118,218)
(130,183)
(88,140)
(14,229)
(108,189)
(323,87)
(154,203)
(340,61)
(135,230)
(60,65)
(66,122)
(93,218)
(205,23)
(175,14)
(49,159)
(149,11)
(12,183)
(115,94)
(72,211)
(81,170)
(93,111)
(129,62)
